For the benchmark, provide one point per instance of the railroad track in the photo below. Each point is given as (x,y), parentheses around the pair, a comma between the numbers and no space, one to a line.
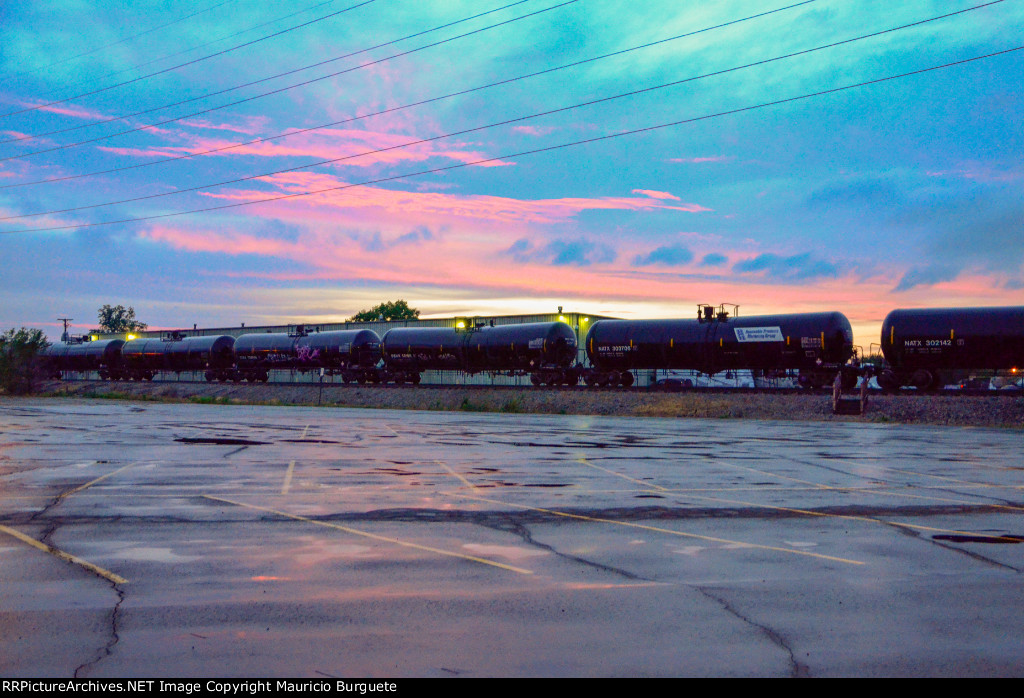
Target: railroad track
(715,390)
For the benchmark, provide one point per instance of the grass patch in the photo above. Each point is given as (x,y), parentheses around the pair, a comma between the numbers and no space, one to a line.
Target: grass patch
(689,406)
(513,406)
(209,400)
(468,406)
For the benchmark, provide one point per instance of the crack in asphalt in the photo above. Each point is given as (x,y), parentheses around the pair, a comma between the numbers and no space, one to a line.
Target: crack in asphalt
(797,670)
(969,553)
(496,518)
(107,649)
(951,488)
(52,525)
(523,532)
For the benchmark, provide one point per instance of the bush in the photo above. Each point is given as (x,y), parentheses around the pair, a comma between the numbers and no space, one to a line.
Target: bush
(20,363)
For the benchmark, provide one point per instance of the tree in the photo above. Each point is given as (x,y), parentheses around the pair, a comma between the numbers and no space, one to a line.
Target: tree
(20,364)
(389,310)
(117,320)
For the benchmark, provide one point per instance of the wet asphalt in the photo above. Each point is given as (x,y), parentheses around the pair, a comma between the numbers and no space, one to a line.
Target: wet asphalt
(146,539)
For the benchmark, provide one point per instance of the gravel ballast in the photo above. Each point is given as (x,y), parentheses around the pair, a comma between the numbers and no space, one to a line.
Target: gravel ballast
(953,410)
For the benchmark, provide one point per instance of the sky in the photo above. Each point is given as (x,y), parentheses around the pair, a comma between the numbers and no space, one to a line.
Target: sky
(225,161)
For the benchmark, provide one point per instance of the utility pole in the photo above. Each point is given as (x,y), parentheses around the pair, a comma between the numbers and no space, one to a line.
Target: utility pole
(65,320)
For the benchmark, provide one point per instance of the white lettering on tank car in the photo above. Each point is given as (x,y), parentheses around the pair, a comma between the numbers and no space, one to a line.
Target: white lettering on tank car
(759,334)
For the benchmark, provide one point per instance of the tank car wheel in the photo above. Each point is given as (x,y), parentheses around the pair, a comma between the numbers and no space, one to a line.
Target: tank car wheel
(415,379)
(626,380)
(924,379)
(210,376)
(888,381)
(535,378)
(590,379)
(361,379)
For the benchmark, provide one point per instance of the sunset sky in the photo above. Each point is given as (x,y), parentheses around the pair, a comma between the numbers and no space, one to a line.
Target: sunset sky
(905,192)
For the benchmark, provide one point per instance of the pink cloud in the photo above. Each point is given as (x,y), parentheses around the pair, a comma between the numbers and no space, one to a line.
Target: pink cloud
(656,194)
(226,242)
(980,174)
(325,144)
(253,125)
(69,110)
(426,207)
(165,152)
(533,130)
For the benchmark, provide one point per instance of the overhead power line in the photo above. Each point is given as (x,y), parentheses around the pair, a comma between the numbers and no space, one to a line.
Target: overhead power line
(203,45)
(535,151)
(29,71)
(505,122)
(430,100)
(290,87)
(261,80)
(197,60)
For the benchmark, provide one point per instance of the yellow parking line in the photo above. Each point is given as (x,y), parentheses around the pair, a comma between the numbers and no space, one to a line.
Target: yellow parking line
(662,530)
(816,485)
(66,557)
(304,432)
(468,484)
(986,485)
(851,517)
(587,463)
(808,512)
(374,536)
(288,478)
(93,482)
(889,492)
(963,502)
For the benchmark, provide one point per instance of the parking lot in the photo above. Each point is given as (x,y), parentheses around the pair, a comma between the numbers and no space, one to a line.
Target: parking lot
(147,539)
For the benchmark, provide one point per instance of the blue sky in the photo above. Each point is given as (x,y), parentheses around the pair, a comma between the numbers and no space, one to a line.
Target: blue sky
(900,193)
